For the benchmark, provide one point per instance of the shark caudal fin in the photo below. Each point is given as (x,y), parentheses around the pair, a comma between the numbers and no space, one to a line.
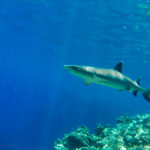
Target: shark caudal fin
(146,94)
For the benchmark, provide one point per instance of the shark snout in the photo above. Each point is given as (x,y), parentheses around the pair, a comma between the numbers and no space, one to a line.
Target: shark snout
(68,67)
(72,68)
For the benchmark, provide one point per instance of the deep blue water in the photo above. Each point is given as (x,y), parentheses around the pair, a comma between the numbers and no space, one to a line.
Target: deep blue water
(39,100)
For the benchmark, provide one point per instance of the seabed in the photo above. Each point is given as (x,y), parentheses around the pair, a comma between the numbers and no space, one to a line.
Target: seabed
(130,133)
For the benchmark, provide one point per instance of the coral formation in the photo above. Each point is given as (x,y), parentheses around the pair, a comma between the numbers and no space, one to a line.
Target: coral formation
(130,133)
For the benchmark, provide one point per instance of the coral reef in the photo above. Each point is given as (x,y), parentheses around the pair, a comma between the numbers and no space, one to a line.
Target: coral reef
(130,133)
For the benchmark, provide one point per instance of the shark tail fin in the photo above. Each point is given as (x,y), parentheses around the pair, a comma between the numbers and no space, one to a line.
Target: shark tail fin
(146,94)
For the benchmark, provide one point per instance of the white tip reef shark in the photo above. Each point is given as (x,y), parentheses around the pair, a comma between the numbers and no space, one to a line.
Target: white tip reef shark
(109,77)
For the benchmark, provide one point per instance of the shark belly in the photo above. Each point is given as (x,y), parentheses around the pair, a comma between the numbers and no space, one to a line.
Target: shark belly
(118,81)
(118,85)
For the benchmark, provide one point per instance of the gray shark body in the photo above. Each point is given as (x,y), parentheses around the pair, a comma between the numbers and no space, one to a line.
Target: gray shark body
(108,77)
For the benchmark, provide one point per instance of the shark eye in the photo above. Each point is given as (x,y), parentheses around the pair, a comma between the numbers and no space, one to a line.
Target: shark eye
(73,67)
(76,68)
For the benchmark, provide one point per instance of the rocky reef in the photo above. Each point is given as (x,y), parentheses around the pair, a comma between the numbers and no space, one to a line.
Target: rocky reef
(130,133)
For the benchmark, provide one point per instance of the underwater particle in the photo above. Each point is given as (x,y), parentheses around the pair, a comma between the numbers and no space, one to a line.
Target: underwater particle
(136,27)
(92,3)
(145,61)
(124,27)
(138,49)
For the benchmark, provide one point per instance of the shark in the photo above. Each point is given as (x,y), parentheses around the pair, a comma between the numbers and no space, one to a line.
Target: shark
(113,78)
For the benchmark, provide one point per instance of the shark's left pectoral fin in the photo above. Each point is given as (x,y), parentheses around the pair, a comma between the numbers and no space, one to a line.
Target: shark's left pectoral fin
(135,93)
(118,67)
(86,82)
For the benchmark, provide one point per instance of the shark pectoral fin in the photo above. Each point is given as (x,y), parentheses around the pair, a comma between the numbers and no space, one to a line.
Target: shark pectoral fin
(118,67)
(135,93)
(86,82)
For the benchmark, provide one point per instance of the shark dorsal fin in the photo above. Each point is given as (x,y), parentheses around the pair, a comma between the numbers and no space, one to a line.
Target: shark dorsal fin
(118,67)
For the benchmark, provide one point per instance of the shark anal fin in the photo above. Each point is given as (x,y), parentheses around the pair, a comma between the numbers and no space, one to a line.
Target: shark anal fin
(128,88)
(135,93)
(138,81)
(118,67)
(86,82)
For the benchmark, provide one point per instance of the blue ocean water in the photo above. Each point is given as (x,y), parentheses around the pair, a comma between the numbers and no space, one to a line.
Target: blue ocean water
(39,100)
